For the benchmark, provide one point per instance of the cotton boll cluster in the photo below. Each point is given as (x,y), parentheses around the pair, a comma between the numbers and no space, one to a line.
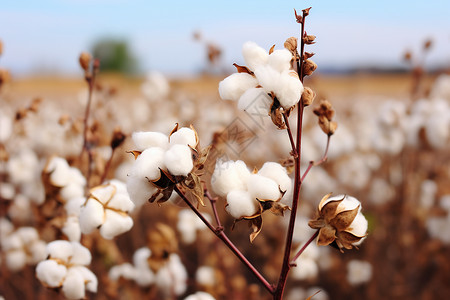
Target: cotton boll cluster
(22,246)
(243,190)
(66,268)
(359,272)
(171,277)
(266,74)
(200,296)
(107,208)
(160,153)
(188,225)
(155,87)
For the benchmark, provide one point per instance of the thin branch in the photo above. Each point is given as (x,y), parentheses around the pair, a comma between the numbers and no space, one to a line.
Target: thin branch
(296,256)
(289,131)
(222,236)
(214,207)
(319,162)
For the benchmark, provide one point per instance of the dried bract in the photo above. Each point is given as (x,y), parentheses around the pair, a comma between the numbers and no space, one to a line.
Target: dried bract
(308,96)
(85,60)
(325,112)
(309,67)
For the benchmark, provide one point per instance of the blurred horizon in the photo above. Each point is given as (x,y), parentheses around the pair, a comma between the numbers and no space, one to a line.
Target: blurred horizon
(46,37)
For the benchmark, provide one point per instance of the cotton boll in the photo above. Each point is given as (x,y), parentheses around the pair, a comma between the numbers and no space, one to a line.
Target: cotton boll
(125,271)
(144,277)
(155,87)
(428,190)
(115,224)
(27,234)
(6,227)
(59,171)
(241,204)
(359,227)
(140,258)
(81,255)
(178,160)
(232,87)
(184,136)
(23,167)
(91,216)
(6,127)
(306,269)
(280,60)
(205,276)
(20,210)
(289,89)
(229,176)
(263,188)
(173,276)
(268,78)
(148,164)
(277,173)
(255,102)
(51,273)
(254,55)
(72,190)
(359,272)
(144,140)
(103,193)
(73,286)
(16,259)
(381,191)
(444,202)
(73,206)
(437,129)
(121,202)
(13,241)
(60,249)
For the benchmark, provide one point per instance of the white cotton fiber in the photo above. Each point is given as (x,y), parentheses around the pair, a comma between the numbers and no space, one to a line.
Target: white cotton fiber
(60,249)
(232,87)
(289,89)
(115,224)
(241,204)
(91,216)
(277,173)
(178,160)
(280,60)
(229,175)
(263,188)
(51,273)
(73,286)
(149,139)
(184,136)
(148,164)
(254,55)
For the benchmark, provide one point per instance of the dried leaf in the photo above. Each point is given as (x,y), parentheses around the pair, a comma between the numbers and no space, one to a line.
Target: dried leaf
(257,224)
(243,69)
(165,180)
(277,118)
(326,236)
(310,297)
(271,49)
(195,187)
(343,219)
(322,201)
(135,153)
(278,209)
(175,129)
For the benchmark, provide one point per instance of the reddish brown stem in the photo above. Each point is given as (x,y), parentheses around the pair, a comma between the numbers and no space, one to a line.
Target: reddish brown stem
(289,131)
(296,256)
(278,294)
(213,206)
(224,238)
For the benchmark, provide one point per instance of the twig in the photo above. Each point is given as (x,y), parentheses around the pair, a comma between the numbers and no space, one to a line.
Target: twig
(214,207)
(319,162)
(289,131)
(222,236)
(304,247)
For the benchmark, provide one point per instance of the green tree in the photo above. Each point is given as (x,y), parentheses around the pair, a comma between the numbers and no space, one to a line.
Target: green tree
(115,56)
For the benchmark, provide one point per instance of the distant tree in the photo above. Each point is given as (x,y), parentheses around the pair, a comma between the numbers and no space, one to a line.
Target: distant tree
(115,56)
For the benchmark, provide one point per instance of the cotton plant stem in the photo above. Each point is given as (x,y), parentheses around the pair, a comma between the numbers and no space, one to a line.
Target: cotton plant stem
(319,162)
(289,131)
(222,236)
(286,266)
(214,207)
(296,256)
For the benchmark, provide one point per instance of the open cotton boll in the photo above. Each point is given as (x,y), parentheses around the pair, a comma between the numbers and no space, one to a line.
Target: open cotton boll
(72,190)
(103,193)
(121,202)
(228,176)
(241,204)
(263,188)
(27,234)
(144,277)
(277,173)
(51,273)
(178,160)
(81,255)
(184,136)
(156,86)
(6,227)
(148,164)
(256,102)
(115,224)
(437,130)
(280,60)
(254,55)
(232,87)
(125,271)
(59,171)
(359,227)
(60,249)
(73,286)
(73,206)
(289,89)
(149,139)
(38,251)
(306,269)
(16,259)
(205,275)
(91,216)
(140,257)
(359,272)
(173,276)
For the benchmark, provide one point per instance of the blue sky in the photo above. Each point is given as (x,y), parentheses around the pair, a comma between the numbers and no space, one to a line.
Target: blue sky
(50,34)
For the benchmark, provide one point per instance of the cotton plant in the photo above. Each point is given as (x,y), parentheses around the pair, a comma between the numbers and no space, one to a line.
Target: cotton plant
(21,246)
(271,83)
(107,208)
(66,269)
